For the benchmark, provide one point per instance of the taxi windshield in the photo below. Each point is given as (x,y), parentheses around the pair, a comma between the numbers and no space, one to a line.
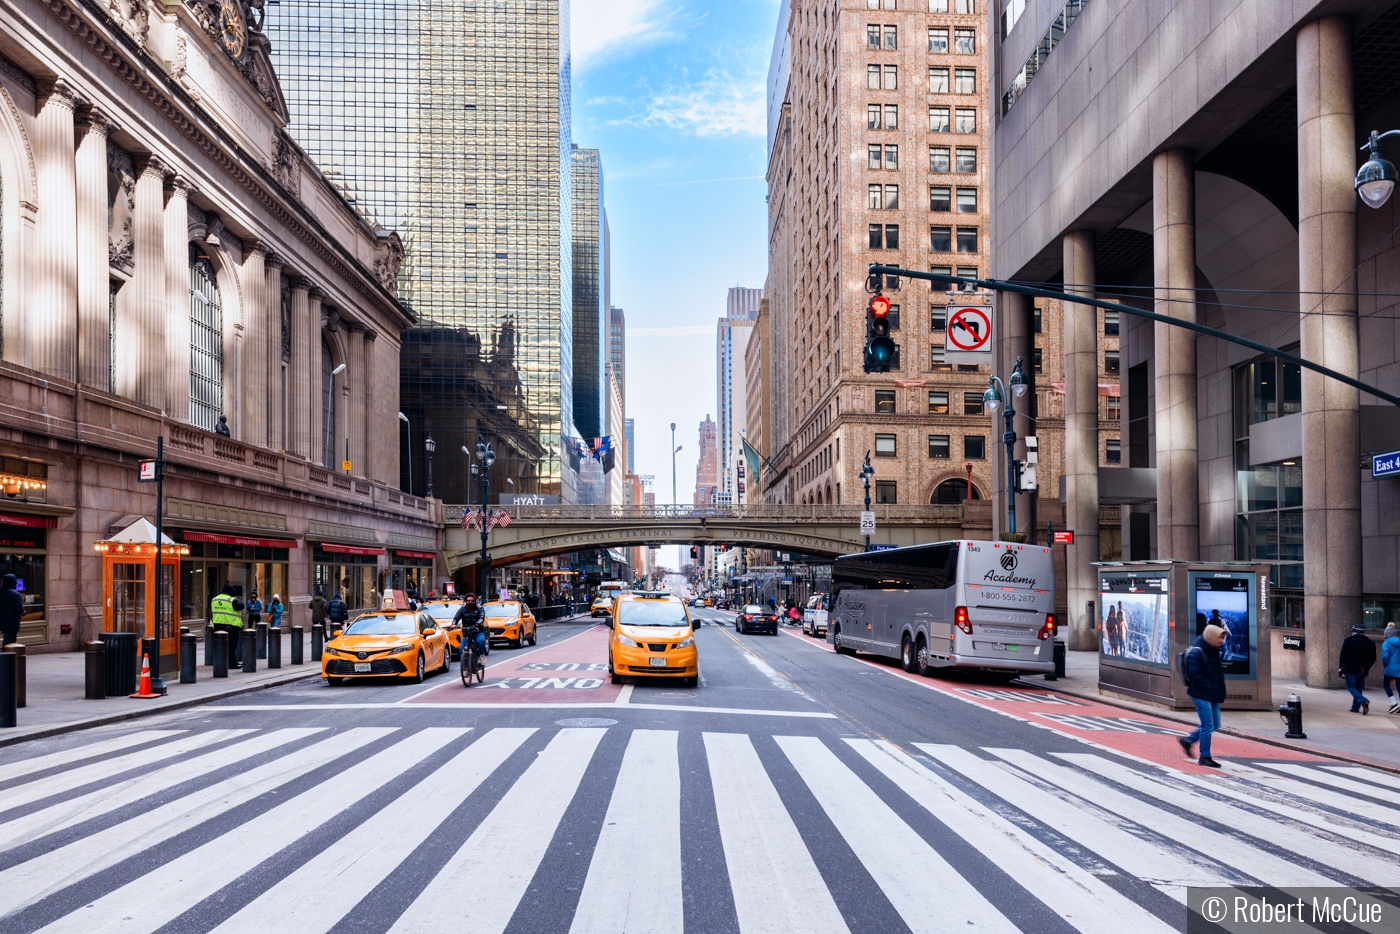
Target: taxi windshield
(442,610)
(501,610)
(652,613)
(383,626)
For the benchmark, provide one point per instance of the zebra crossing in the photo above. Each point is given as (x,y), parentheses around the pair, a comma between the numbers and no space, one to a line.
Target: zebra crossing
(304,830)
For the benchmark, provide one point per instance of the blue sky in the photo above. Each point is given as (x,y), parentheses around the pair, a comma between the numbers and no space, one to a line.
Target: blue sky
(673,95)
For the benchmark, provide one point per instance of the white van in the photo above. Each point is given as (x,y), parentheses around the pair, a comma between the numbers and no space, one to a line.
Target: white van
(963,604)
(814,615)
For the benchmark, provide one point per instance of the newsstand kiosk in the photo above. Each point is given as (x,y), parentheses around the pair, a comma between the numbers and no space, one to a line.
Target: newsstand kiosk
(1150,611)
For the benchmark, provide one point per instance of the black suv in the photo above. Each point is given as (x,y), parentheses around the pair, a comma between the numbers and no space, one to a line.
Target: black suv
(753,617)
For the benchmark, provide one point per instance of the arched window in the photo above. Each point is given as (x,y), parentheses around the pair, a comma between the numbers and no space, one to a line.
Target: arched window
(952,492)
(206,343)
(327,406)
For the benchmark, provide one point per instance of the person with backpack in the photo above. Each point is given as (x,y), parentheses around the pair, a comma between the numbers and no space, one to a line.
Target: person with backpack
(1357,657)
(337,612)
(1390,664)
(1204,674)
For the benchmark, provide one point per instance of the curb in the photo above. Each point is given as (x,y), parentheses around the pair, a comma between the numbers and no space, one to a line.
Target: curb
(1111,700)
(58,729)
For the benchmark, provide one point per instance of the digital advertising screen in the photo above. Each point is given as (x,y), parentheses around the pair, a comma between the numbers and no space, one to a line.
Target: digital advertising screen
(1133,617)
(1227,600)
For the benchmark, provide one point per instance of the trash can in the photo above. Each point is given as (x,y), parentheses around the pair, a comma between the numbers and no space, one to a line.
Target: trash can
(121,652)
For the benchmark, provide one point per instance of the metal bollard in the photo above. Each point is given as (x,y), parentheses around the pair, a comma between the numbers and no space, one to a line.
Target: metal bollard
(189,654)
(219,657)
(296,645)
(20,678)
(7,690)
(274,647)
(1058,654)
(209,644)
(1292,714)
(262,640)
(248,653)
(318,639)
(95,670)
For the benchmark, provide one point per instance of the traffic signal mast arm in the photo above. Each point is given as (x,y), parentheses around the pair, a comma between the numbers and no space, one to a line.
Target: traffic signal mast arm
(1000,285)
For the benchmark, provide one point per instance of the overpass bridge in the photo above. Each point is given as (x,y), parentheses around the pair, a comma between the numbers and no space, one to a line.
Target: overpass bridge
(540,531)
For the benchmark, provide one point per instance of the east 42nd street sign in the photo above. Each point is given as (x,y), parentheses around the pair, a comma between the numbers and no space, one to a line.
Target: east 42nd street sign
(1385,465)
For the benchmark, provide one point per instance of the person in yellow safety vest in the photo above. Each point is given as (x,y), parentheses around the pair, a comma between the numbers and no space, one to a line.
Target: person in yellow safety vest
(223,615)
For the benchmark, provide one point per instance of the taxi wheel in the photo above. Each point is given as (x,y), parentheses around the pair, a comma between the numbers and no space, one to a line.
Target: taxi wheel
(418,672)
(517,643)
(534,637)
(334,682)
(446,660)
(692,682)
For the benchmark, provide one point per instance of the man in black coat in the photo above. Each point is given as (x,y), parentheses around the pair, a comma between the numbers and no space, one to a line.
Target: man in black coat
(1358,655)
(337,612)
(11,609)
(1205,684)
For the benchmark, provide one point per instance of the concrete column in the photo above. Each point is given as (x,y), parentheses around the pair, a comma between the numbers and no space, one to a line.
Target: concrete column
(1081,350)
(177,314)
(276,363)
(356,386)
(1326,263)
(52,327)
(141,363)
(255,344)
(1174,281)
(312,391)
(298,374)
(1016,317)
(94,282)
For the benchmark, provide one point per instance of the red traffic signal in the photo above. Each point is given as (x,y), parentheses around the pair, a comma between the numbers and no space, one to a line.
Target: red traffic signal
(880,306)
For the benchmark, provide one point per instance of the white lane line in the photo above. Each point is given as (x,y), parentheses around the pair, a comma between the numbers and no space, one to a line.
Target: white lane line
(166,892)
(43,875)
(1335,781)
(323,890)
(624,697)
(682,708)
(776,885)
(1170,870)
(900,861)
(1268,868)
(1387,780)
(483,882)
(104,771)
(1282,834)
(79,753)
(67,813)
(617,897)
(1078,896)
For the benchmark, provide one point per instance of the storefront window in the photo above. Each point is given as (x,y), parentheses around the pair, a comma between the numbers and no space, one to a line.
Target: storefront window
(1269,498)
(245,567)
(352,576)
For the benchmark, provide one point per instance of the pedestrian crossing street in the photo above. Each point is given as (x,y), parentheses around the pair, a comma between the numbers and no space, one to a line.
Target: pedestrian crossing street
(607,828)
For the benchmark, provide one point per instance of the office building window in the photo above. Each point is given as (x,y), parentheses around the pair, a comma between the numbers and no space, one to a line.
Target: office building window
(884,446)
(967,239)
(1113,451)
(938,81)
(886,492)
(872,77)
(880,4)
(1113,408)
(876,153)
(872,116)
(940,286)
(884,236)
(938,159)
(891,77)
(113,287)
(877,197)
(1110,361)
(206,344)
(938,122)
(893,317)
(937,40)
(965,82)
(966,120)
(972,403)
(969,272)
(891,116)
(967,160)
(884,402)
(938,402)
(1110,324)
(975,447)
(967,200)
(940,239)
(891,197)
(938,318)
(891,38)
(965,7)
(1037,319)
(872,36)
(940,199)
(1039,360)
(938,6)
(891,236)
(938,446)
(327,406)
(892,157)
(937,359)
(965,41)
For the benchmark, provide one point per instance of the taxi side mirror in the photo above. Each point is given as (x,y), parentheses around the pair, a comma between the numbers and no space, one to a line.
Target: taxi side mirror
(337,633)
(428,630)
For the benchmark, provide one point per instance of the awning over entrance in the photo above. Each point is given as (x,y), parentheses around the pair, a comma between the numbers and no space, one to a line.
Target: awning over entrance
(400,553)
(29,522)
(239,540)
(349,549)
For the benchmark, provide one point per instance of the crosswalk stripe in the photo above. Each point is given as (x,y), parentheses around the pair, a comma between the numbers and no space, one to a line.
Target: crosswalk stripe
(166,892)
(79,753)
(1335,781)
(1387,780)
(899,860)
(103,771)
(313,899)
(1280,833)
(58,868)
(1078,896)
(776,885)
(616,897)
(67,813)
(1222,846)
(1313,794)
(506,848)
(1167,868)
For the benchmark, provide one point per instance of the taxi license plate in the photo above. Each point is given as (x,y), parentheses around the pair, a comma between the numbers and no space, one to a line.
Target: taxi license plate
(362,667)
(656,662)
(1004,647)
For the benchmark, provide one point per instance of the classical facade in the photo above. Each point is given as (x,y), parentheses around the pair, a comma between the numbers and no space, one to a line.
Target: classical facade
(175,266)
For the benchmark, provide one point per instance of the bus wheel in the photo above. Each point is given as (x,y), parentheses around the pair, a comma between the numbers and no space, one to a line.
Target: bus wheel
(921,662)
(836,641)
(906,656)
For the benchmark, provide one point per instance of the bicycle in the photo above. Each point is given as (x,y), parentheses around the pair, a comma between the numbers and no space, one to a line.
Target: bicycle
(472,663)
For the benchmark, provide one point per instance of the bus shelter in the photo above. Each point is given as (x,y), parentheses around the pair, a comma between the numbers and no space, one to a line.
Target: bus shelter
(129,599)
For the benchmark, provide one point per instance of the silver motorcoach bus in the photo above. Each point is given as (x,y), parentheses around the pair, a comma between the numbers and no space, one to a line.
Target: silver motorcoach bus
(963,604)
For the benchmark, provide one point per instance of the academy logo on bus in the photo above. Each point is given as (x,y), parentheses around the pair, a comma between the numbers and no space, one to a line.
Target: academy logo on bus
(996,578)
(1008,561)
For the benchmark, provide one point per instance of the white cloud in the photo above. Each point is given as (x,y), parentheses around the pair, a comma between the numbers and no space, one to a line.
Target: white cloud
(720,105)
(598,26)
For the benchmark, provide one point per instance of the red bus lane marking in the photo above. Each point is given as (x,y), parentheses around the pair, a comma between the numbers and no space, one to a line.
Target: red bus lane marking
(574,671)
(1142,736)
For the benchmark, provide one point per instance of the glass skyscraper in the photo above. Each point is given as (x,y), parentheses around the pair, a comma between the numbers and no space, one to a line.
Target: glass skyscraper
(590,309)
(450,123)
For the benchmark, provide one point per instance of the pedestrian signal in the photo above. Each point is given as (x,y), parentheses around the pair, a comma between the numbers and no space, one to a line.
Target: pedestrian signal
(879,346)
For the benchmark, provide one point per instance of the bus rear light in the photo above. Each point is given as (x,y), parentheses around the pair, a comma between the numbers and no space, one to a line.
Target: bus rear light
(962,621)
(1048,630)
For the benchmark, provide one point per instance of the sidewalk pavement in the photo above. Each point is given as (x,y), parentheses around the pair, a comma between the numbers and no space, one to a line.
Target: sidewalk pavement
(1332,729)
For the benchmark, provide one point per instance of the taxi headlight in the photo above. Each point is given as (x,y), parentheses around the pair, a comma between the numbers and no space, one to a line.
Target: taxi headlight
(330,651)
(686,643)
(401,649)
(623,640)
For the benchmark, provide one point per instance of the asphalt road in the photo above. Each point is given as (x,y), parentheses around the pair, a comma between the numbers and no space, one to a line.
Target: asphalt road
(793,790)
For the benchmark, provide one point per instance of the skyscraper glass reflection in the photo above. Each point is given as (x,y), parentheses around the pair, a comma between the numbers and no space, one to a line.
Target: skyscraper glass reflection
(450,123)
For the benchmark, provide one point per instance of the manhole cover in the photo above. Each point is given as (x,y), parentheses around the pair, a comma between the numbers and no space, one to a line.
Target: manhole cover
(585,721)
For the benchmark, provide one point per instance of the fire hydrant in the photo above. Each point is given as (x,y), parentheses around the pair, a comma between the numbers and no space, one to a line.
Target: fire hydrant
(1292,714)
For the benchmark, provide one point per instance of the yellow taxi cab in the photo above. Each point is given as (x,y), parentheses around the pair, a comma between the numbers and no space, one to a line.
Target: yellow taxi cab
(652,636)
(509,621)
(444,612)
(709,601)
(392,643)
(602,605)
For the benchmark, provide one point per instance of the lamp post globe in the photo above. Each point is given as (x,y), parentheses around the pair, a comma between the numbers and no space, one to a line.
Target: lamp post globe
(1376,178)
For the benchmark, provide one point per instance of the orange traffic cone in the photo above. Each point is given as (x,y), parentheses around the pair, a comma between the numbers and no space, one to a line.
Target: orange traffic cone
(145,690)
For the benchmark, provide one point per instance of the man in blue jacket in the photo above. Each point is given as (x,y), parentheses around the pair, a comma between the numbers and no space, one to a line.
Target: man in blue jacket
(1205,684)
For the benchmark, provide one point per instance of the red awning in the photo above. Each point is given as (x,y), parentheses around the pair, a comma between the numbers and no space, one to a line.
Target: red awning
(29,522)
(350,549)
(239,540)
(431,556)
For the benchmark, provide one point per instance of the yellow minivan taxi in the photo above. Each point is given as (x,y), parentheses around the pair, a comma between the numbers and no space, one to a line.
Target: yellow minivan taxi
(652,636)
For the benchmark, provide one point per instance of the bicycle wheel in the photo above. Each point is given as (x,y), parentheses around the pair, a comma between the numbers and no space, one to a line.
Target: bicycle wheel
(468,663)
(481,670)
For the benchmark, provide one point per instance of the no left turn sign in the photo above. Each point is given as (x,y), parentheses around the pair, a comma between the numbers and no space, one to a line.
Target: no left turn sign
(968,337)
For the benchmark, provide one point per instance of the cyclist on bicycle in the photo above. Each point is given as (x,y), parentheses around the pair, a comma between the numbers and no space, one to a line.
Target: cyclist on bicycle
(473,625)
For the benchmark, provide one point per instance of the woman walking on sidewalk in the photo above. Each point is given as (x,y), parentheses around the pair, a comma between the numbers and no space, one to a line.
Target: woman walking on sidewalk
(1390,664)
(275,609)
(1205,684)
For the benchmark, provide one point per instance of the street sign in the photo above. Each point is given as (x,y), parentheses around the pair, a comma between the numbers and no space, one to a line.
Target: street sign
(1064,538)
(867,522)
(968,334)
(1385,465)
(147,473)
(345,466)
(883,547)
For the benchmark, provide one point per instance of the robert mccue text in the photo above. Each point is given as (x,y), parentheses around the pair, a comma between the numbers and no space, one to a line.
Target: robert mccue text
(1371,910)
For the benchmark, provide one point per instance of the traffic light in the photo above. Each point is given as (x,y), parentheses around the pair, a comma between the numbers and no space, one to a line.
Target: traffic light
(694,552)
(879,347)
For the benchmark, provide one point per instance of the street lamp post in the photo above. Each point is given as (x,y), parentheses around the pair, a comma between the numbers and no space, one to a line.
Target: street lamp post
(334,373)
(404,418)
(866,473)
(674,449)
(996,392)
(485,457)
(430,446)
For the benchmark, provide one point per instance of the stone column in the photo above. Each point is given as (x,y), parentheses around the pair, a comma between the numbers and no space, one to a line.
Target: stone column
(94,280)
(141,363)
(371,423)
(276,357)
(355,387)
(1081,350)
(52,326)
(1016,317)
(177,314)
(299,374)
(1326,262)
(1174,281)
(313,373)
(255,344)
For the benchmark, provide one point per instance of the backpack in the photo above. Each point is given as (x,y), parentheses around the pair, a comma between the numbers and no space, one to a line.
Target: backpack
(1181,663)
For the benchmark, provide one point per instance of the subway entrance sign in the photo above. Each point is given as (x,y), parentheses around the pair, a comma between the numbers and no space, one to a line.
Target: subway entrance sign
(1385,465)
